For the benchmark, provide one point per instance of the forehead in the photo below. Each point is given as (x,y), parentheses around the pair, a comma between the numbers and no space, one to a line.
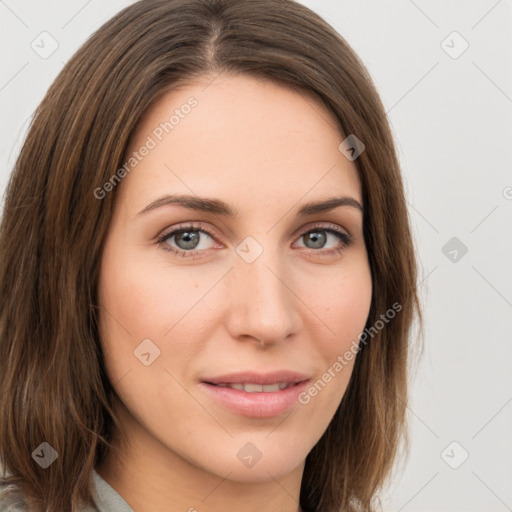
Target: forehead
(238,137)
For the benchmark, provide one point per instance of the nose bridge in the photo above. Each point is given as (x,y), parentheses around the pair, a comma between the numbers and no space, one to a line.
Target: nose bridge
(262,303)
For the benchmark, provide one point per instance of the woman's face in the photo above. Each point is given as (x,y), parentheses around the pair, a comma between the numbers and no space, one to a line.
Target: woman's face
(254,284)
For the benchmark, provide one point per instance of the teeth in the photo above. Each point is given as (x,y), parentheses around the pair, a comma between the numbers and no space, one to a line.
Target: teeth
(256,388)
(253,388)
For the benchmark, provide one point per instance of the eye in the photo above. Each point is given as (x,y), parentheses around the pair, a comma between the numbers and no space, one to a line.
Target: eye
(316,238)
(190,240)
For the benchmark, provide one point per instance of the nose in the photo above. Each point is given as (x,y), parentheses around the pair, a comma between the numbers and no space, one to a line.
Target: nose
(262,305)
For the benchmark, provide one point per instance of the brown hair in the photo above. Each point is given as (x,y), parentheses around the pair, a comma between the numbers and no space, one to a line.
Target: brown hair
(53,383)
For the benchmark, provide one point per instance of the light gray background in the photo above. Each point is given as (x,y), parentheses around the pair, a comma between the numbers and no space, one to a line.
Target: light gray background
(451,118)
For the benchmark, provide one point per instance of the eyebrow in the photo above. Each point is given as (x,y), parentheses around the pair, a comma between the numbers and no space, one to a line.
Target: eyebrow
(219,207)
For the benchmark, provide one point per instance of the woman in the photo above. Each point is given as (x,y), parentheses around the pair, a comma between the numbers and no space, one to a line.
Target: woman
(207,277)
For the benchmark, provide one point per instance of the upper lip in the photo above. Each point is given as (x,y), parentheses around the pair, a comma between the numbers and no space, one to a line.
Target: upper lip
(258,378)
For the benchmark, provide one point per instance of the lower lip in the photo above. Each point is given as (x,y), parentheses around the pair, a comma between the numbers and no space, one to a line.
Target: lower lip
(258,404)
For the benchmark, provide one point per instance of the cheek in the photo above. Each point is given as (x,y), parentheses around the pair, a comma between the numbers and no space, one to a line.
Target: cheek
(350,309)
(343,307)
(142,295)
(142,298)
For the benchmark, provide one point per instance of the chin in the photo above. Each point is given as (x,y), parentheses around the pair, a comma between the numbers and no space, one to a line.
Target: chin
(256,461)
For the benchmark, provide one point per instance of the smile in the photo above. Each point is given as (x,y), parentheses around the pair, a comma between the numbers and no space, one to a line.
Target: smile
(256,388)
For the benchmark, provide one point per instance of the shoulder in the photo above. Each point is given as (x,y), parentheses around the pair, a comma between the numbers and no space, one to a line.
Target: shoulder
(12,499)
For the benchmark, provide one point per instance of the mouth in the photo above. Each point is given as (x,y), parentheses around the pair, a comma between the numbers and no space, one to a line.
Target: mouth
(255,388)
(253,379)
(256,395)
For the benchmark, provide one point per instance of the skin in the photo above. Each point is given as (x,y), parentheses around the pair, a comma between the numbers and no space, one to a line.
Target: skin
(266,151)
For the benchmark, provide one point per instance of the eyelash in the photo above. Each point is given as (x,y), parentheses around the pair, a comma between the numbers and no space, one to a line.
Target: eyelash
(345,238)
